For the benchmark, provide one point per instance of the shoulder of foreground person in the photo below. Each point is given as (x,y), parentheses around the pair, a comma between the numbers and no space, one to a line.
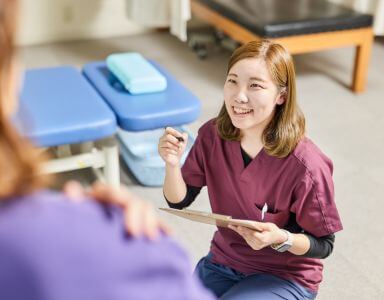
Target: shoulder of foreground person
(56,249)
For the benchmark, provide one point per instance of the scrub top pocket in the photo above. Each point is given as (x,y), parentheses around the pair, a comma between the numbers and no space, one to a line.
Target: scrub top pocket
(280,218)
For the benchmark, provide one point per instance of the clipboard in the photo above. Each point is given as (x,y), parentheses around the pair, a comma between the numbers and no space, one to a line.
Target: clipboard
(210,218)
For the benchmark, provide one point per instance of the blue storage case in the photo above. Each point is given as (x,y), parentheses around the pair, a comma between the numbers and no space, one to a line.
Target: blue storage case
(139,151)
(136,74)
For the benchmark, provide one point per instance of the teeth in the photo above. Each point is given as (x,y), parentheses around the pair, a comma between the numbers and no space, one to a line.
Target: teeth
(242,110)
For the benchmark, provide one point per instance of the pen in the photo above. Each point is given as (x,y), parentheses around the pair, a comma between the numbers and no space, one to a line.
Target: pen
(179,138)
(263,211)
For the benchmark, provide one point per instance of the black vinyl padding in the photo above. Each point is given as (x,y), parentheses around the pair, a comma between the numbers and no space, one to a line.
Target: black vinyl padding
(279,18)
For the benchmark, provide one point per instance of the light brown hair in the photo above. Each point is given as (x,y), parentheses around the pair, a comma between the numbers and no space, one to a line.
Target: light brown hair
(287,126)
(19,164)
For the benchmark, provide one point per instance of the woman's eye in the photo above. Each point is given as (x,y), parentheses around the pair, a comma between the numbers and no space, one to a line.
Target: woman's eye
(231,80)
(255,85)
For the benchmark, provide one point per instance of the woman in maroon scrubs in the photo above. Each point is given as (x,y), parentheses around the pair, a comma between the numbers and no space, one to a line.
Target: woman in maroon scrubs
(258,165)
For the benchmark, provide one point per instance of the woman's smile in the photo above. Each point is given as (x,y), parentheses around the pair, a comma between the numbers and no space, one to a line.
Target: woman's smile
(241,112)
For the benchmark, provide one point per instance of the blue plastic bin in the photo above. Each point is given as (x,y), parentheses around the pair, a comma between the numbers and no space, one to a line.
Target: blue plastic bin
(139,152)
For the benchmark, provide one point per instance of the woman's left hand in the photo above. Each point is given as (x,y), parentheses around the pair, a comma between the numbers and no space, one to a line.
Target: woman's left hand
(264,235)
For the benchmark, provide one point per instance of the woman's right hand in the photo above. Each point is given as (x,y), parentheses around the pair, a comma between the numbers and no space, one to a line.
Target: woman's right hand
(170,148)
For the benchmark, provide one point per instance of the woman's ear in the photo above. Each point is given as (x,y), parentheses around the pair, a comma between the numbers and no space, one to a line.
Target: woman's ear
(282,96)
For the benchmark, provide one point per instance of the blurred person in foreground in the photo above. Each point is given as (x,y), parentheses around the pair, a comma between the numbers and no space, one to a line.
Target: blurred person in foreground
(53,248)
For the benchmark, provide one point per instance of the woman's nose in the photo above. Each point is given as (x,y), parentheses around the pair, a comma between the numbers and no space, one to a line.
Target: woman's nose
(241,97)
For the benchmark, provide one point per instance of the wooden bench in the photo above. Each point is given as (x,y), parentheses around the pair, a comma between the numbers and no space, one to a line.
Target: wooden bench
(302,26)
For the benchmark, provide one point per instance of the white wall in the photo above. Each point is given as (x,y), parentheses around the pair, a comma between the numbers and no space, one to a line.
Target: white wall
(374,7)
(44,21)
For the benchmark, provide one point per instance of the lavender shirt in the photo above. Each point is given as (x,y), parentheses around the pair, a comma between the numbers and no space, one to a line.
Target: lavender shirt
(300,184)
(53,249)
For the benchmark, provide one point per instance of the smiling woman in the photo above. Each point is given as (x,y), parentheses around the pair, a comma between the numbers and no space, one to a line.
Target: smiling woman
(258,165)
(261,77)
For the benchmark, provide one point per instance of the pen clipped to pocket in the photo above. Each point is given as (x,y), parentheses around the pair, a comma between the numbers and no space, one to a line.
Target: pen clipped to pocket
(263,211)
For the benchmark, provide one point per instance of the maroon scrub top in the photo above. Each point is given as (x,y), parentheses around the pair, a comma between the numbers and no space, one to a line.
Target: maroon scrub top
(300,183)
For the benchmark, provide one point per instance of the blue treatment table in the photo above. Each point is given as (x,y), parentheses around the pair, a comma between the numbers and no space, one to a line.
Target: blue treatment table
(175,106)
(136,113)
(59,107)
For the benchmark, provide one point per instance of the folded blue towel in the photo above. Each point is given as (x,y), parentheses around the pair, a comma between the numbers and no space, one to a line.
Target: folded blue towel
(137,74)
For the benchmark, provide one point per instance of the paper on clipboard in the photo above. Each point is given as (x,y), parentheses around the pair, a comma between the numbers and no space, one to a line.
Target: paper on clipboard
(209,218)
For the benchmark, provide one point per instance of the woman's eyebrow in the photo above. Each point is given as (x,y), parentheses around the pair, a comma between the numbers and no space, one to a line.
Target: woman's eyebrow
(251,78)
(257,79)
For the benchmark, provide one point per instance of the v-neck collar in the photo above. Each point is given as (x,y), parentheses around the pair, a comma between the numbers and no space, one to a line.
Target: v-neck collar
(247,159)
(244,171)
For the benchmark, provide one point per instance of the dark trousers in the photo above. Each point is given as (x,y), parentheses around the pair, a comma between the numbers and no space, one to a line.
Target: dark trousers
(227,283)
